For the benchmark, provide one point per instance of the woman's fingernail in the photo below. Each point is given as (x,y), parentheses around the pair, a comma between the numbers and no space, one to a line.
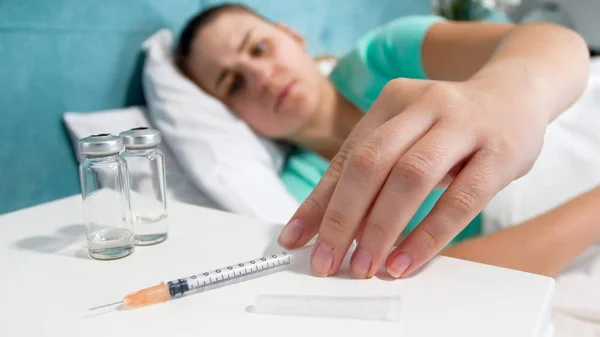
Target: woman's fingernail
(361,264)
(399,265)
(322,260)
(291,233)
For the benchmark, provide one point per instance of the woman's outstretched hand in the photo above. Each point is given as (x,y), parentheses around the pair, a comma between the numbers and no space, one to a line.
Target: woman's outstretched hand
(419,135)
(473,133)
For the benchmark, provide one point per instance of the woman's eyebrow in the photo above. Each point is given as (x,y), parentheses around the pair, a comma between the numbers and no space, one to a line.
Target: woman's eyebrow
(245,40)
(240,48)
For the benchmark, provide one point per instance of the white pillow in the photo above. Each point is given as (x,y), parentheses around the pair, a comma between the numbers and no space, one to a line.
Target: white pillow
(219,152)
(83,124)
(568,165)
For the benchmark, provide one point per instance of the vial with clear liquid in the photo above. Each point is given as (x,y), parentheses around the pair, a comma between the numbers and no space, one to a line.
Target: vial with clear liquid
(105,193)
(147,183)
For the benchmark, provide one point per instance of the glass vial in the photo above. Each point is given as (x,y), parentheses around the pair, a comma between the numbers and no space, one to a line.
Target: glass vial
(104,189)
(146,169)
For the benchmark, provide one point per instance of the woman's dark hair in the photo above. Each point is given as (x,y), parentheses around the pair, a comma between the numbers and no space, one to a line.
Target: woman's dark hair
(199,21)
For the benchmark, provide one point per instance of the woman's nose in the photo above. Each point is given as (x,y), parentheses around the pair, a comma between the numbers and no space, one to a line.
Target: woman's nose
(259,74)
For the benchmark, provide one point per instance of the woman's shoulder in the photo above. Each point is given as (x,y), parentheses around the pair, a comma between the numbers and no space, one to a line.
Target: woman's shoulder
(389,51)
(399,29)
(393,49)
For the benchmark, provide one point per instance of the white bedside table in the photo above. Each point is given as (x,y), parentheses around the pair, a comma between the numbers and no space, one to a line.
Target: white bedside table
(48,284)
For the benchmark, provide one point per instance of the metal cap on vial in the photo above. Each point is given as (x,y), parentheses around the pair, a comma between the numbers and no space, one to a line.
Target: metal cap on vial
(100,145)
(140,138)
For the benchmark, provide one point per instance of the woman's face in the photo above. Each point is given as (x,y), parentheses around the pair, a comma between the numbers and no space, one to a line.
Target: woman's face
(259,70)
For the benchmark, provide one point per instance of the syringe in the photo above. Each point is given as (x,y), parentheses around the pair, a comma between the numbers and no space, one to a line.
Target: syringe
(215,278)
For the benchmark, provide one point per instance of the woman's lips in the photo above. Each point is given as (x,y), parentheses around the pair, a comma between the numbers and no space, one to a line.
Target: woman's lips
(283,94)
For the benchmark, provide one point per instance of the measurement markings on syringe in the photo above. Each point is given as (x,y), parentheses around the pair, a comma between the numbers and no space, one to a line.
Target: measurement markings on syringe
(231,273)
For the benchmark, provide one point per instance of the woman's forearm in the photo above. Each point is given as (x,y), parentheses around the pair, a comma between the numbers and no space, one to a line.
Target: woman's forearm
(541,67)
(543,245)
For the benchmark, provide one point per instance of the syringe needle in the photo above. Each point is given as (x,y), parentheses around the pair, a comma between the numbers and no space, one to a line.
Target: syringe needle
(106,305)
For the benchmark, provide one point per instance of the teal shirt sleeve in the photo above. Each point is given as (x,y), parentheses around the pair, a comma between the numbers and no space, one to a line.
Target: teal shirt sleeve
(390,51)
(395,49)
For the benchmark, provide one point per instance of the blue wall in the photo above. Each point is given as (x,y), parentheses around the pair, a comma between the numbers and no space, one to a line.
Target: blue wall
(73,55)
(333,26)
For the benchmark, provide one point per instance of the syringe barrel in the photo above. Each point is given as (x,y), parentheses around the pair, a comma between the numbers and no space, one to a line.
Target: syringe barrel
(239,272)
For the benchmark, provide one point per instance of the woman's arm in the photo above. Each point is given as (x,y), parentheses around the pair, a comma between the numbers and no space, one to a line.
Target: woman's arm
(477,124)
(543,245)
(531,62)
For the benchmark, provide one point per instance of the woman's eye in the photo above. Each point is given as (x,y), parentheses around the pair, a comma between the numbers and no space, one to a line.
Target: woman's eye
(259,49)
(235,85)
